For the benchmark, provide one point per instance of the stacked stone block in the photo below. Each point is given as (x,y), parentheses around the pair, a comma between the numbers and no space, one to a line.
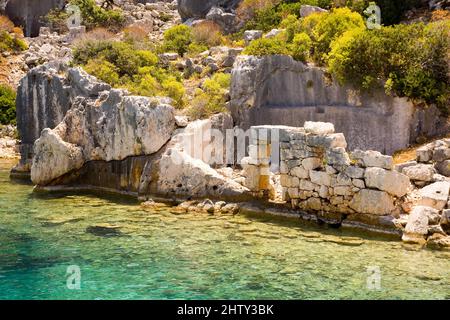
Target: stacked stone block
(318,175)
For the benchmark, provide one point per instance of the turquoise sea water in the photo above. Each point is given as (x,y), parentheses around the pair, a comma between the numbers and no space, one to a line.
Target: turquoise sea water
(162,255)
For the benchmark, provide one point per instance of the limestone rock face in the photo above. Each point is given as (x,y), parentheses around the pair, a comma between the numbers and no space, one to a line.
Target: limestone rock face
(181,175)
(306,10)
(112,127)
(392,182)
(43,98)
(54,158)
(277,90)
(372,202)
(28,13)
(199,8)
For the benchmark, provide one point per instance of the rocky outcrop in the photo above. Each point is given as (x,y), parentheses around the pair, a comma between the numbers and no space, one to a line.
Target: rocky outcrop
(43,98)
(28,13)
(278,90)
(198,9)
(112,127)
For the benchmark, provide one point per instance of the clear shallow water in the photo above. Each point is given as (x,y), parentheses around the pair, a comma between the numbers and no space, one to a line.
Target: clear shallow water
(161,255)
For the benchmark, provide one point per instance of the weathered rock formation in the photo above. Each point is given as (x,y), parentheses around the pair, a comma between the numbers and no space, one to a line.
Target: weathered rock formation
(198,9)
(111,127)
(44,96)
(77,131)
(278,90)
(28,13)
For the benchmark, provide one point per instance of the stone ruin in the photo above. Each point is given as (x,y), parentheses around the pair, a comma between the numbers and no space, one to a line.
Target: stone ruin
(318,175)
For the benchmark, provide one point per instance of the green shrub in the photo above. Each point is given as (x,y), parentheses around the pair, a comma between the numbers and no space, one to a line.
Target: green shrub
(266,46)
(7,105)
(94,16)
(211,98)
(329,27)
(268,14)
(292,24)
(410,60)
(175,90)
(123,55)
(123,64)
(301,46)
(11,42)
(392,11)
(177,39)
(103,70)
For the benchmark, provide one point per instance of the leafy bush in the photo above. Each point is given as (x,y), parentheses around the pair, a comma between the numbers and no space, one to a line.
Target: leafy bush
(327,27)
(123,55)
(10,42)
(266,46)
(175,90)
(412,60)
(211,98)
(301,46)
(93,16)
(10,37)
(7,105)
(177,39)
(391,11)
(124,64)
(104,70)
(268,14)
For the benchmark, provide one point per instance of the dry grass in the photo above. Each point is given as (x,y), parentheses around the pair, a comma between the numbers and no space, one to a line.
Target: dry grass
(438,15)
(409,154)
(6,24)
(208,33)
(96,34)
(136,33)
(248,8)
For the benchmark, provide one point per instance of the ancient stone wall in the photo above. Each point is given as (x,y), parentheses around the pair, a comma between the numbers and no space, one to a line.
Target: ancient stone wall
(318,175)
(276,90)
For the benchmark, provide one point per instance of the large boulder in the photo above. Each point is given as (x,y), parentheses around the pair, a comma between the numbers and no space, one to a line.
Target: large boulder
(112,127)
(435,195)
(420,172)
(54,158)
(372,202)
(29,13)
(417,226)
(181,175)
(198,9)
(392,182)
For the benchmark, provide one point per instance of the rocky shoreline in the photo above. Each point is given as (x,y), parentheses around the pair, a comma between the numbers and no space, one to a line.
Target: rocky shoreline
(78,133)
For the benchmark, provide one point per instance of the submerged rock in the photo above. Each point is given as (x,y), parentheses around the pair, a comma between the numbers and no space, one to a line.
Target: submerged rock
(104,230)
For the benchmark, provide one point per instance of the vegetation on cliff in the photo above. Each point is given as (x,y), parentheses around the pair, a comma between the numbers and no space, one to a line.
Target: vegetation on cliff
(7,105)
(409,60)
(11,38)
(92,15)
(129,65)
